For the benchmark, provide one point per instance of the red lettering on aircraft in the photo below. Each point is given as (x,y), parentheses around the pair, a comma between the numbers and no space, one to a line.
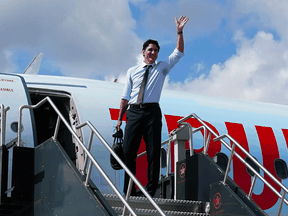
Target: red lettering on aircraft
(6,89)
(270,152)
(6,80)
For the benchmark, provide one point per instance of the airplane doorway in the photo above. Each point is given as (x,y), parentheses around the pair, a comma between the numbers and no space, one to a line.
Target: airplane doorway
(46,118)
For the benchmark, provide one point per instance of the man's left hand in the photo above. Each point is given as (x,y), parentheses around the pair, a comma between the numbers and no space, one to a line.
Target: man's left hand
(181,23)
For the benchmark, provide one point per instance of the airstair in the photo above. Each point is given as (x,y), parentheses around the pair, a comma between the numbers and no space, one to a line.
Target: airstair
(170,207)
(50,183)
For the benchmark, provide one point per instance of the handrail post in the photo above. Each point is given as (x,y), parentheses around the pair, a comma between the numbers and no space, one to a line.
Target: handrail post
(190,136)
(88,147)
(281,203)
(229,164)
(252,186)
(207,143)
(19,125)
(20,116)
(168,157)
(204,139)
(88,174)
(56,129)
(128,193)
(3,123)
(180,136)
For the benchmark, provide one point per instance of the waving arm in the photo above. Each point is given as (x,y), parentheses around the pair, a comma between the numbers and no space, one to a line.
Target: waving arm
(180,25)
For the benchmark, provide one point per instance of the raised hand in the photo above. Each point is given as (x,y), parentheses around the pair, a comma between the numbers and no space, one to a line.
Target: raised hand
(181,23)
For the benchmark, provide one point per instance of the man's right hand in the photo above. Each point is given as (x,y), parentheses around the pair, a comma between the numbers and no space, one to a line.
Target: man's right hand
(118,125)
(123,108)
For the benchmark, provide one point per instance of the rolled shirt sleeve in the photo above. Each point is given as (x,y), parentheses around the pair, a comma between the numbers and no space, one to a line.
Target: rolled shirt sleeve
(171,61)
(128,86)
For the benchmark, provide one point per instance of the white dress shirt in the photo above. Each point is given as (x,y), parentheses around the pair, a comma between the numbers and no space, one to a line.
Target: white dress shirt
(155,80)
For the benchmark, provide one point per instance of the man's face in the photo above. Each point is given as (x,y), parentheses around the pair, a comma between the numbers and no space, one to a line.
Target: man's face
(150,54)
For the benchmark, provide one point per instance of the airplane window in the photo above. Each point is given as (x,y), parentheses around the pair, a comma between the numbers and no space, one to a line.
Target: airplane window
(14,127)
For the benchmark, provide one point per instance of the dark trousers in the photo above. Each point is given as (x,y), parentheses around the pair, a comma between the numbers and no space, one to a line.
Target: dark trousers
(146,122)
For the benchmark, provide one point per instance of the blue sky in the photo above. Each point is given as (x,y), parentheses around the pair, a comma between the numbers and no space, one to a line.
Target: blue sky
(201,50)
(233,49)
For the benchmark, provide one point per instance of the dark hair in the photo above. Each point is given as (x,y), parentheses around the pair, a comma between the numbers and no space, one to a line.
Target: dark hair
(150,41)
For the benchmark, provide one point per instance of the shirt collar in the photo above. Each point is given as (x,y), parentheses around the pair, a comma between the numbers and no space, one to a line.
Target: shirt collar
(144,64)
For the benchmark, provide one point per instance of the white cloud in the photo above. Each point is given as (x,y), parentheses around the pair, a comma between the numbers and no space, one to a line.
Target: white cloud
(204,16)
(198,67)
(263,14)
(258,71)
(8,66)
(84,39)
(121,78)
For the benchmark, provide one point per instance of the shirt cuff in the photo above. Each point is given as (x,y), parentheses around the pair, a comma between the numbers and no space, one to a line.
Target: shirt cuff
(125,98)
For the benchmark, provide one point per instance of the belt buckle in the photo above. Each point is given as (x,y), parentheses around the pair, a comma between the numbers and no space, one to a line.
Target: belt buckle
(141,105)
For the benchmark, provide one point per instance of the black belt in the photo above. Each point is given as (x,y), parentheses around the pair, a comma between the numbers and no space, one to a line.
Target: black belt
(142,106)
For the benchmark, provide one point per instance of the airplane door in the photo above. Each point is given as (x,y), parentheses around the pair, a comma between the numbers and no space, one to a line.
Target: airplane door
(13,94)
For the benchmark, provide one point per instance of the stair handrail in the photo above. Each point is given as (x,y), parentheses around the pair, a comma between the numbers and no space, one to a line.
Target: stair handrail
(91,157)
(3,123)
(94,130)
(168,141)
(233,152)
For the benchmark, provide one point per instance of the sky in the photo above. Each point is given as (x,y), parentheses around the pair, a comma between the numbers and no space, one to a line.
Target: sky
(236,49)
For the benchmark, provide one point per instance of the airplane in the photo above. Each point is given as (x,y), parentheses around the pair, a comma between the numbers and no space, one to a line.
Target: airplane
(260,128)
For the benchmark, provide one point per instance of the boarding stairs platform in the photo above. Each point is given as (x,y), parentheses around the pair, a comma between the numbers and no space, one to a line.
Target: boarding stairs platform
(54,186)
(170,207)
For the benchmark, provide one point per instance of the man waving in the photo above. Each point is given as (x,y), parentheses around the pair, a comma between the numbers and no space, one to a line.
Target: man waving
(140,98)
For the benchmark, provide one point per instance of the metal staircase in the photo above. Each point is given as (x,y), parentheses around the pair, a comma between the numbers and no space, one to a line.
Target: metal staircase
(19,197)
(200,199)
(169,206)
(234,199)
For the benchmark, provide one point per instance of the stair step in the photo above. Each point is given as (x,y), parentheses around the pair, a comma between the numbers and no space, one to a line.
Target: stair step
(148,212)
(169,206)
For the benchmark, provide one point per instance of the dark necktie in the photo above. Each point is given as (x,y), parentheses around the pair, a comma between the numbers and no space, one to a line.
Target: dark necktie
(143,84)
